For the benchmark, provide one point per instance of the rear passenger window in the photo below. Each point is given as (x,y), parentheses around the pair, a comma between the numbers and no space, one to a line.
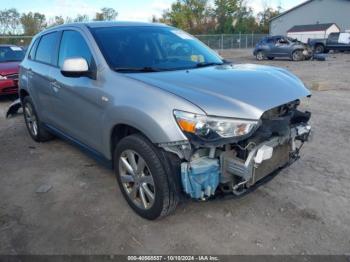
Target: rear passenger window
(46,51)
(73,45)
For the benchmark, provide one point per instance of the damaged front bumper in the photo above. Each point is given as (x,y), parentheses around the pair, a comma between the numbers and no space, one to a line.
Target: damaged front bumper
(263,159)
(235,167)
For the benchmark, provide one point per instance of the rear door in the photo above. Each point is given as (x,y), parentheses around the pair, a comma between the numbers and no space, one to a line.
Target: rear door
(78,104)
(42,59)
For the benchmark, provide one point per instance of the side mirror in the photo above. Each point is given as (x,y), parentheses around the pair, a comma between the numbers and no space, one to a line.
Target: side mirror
(75,67)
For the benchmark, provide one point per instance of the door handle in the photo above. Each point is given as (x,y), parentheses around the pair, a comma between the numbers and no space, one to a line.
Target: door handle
(55,86)
(30,73)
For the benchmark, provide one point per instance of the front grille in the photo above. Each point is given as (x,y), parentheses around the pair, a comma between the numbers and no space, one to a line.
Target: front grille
(13,76)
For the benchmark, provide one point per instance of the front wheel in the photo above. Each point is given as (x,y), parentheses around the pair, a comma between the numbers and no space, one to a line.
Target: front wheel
(298,55)
(145,182)
(260,56)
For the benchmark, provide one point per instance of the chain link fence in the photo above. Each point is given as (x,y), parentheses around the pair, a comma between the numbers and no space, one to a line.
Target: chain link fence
(15,40)
(217,42)
(223,41)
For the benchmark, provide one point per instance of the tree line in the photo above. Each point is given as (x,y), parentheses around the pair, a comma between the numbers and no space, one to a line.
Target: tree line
(14,23)
(222,17)
(194,16)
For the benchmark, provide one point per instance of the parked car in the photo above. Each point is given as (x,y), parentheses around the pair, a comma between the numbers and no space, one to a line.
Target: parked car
(333,42)
(162,109)
(10,57)
(281,46)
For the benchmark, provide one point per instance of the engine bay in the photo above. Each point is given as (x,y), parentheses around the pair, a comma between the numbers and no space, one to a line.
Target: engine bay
(235,166)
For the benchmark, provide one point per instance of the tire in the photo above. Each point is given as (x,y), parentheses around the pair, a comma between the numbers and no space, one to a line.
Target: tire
(297,55)
(270,58)
(319,49)
(260,56)
(154,176)
(34,126)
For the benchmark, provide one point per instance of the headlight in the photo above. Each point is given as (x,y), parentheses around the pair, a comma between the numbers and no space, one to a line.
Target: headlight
(213,127)
(3,77)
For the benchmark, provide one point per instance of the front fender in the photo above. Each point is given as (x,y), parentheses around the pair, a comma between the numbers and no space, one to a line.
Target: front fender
(158,128)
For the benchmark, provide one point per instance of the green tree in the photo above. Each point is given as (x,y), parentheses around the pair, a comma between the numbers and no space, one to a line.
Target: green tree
(81,18)
(234,16)
(265,16)
(9,21)
(226,14)
(246,21)
(106,14)
(33,23)
(190,15)
(57,20)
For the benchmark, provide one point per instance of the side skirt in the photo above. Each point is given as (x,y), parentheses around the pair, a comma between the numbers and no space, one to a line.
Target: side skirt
(97,156)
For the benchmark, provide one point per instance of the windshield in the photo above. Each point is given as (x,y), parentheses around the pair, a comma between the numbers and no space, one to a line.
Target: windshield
(152,48)
(11,54)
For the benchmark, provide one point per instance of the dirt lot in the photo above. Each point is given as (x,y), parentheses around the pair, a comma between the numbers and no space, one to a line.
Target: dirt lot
(304,210)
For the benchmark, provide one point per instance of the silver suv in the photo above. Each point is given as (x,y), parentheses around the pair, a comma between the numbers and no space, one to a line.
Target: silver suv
(169,115)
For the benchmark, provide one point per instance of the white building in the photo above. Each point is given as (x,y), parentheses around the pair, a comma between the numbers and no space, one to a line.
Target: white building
(304,32)
(313,12)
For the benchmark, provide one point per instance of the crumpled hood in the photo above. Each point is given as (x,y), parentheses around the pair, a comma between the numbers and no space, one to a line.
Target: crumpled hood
(9,68)
(239,91)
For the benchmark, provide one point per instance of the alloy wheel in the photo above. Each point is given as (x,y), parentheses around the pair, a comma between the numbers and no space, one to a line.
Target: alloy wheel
(137,179)
(31,119)
(260,56)
(297,56)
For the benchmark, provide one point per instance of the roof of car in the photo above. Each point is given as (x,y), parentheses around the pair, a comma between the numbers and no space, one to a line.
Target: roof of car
(97,24)
(120,23)
(274,36)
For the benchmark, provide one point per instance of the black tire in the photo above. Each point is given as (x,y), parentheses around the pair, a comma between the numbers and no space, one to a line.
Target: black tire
(270,58)
(319,49)
(166,190)
(260,56)
(41,134)
(297,55)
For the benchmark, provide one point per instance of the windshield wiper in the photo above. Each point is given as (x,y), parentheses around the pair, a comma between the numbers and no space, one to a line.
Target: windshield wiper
(209,64)
(136,69)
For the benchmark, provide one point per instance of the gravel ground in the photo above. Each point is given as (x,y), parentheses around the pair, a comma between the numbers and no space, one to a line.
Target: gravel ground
(304,210)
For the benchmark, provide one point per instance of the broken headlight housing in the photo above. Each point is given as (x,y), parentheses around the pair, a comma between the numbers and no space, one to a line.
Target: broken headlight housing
(213,128)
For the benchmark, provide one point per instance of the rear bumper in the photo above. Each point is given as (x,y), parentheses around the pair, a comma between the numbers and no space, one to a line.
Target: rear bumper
(8,86)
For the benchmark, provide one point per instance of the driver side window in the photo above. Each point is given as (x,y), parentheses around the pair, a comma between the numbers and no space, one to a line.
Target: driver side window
(73,45)
(282,41)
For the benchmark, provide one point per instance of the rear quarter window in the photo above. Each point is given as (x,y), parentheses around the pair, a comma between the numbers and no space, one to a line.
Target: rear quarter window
(33,49)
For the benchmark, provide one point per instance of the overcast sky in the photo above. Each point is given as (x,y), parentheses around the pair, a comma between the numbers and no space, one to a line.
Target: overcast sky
(137,10)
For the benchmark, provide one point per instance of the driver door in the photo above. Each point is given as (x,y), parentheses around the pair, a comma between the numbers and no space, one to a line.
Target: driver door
(282,47)
(78,106)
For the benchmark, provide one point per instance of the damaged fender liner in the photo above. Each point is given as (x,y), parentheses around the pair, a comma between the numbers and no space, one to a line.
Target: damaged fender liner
(13,108)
